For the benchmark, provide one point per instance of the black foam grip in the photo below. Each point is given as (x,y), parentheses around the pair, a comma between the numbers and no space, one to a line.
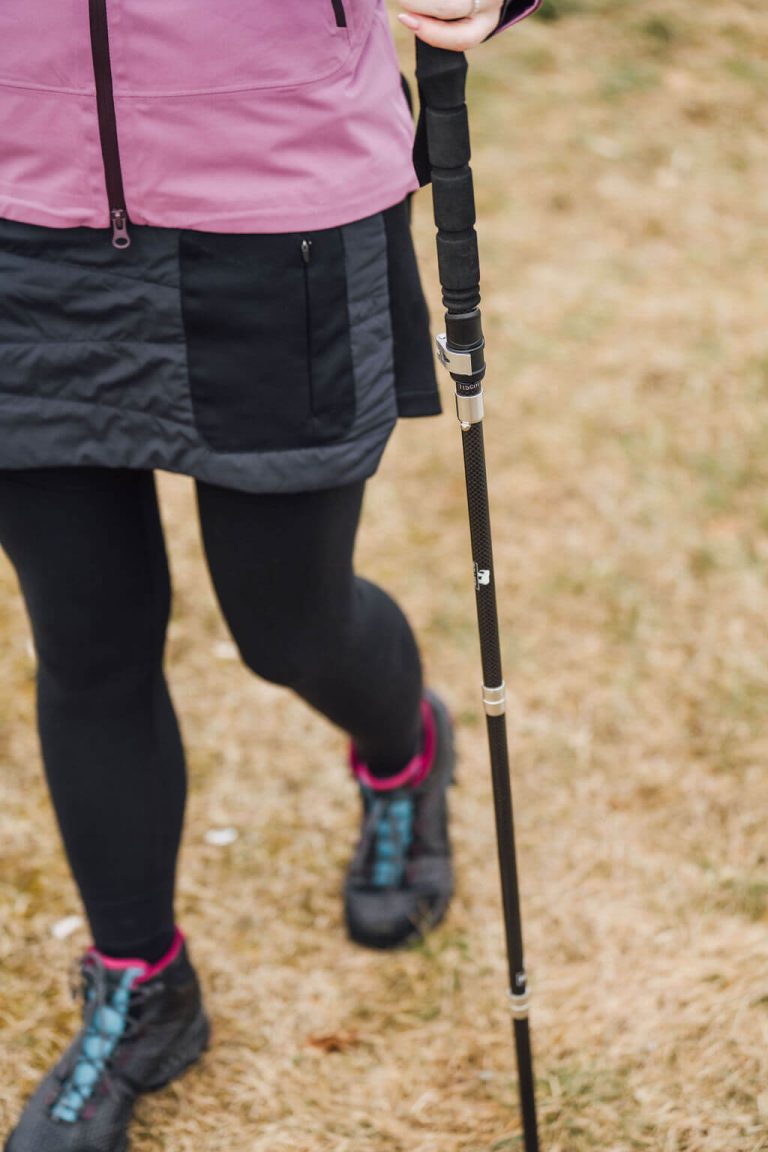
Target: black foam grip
(448,135)
(444,128)
(459,270)
(444,73)
(453,194)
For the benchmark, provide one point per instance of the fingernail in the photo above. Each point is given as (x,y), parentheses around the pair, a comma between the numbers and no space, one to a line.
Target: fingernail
(409,21)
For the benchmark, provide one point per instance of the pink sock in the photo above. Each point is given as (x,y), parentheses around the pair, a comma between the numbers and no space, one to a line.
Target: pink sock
(147,970)
(416,770)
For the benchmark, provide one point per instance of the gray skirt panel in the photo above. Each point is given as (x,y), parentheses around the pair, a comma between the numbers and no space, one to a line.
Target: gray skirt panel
(152,359)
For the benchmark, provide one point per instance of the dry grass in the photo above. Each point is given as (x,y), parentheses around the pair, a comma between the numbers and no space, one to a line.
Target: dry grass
(622,164)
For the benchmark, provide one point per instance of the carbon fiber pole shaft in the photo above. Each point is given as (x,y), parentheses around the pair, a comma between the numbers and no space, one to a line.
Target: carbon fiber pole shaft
(444,134)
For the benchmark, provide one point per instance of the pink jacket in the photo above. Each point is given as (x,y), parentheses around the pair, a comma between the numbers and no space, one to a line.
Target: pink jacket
(233,115)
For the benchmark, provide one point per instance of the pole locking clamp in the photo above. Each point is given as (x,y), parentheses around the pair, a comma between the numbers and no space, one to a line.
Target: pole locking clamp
(461,362)
(470,366)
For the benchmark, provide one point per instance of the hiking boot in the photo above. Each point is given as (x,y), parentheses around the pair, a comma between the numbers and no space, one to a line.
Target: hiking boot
(400,881)
(142,1026)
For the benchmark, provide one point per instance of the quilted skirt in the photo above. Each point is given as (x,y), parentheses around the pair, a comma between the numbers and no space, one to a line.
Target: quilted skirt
(268,363)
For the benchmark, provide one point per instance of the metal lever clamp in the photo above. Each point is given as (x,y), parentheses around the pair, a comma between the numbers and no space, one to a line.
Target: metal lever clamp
(469,408)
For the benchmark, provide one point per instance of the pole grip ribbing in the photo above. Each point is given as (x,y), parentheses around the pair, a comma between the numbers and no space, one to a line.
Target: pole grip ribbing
(442,80)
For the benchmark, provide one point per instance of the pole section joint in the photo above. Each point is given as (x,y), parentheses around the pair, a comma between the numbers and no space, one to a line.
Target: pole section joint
(495,700)
(519,1005)
(470,409)
(518,996)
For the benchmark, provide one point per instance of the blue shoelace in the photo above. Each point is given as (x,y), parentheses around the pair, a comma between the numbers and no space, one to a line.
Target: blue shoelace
(387,836)
(105,1023)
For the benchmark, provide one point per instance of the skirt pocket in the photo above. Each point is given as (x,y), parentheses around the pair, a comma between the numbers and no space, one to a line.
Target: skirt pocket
(268,340)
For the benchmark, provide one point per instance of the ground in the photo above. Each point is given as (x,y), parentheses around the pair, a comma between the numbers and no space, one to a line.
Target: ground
(621,160)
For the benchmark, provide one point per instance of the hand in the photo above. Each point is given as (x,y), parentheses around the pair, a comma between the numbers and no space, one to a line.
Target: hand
(454,24)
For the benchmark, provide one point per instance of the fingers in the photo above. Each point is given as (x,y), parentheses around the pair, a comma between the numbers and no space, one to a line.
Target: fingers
(458,37)
(443,9)
(451,24)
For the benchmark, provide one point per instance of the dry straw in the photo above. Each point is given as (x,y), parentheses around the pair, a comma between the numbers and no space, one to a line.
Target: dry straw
(621,154)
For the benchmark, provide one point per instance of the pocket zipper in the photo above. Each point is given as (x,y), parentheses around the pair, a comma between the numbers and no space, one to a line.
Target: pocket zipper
(306,257)
(339,13)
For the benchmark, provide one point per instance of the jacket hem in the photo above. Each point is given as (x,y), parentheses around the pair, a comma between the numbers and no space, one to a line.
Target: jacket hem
(30,212)
(311,218)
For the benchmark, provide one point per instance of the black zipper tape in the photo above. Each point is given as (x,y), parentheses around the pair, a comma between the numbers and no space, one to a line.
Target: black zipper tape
(339,13)
(105,105)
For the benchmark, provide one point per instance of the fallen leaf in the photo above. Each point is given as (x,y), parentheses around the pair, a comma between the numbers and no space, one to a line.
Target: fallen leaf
(334,1041)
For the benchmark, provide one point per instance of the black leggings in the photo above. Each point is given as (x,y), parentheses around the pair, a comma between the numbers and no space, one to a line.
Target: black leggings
(88,548)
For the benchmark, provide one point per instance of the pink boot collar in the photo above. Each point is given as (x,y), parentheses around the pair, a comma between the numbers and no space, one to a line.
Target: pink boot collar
(415,771)
(147,970)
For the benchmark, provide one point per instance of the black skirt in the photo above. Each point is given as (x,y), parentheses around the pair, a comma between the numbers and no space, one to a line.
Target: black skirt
(262,362)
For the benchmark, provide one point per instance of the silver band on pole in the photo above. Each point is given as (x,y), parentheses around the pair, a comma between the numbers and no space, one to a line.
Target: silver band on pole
(470,409)
(519,1005)
(495,700)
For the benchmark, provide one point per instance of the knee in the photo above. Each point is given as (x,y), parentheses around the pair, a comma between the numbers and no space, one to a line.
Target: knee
(103,645)
(293,650)
(285,665)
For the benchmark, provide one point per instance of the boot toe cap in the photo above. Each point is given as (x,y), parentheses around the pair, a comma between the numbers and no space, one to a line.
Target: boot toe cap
(393,918)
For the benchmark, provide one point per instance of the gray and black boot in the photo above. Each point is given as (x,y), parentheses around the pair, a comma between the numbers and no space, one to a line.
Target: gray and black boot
(400,881)
(142,1026)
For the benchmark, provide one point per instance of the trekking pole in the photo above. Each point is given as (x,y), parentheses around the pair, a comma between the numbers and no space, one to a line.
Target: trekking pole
(444,134)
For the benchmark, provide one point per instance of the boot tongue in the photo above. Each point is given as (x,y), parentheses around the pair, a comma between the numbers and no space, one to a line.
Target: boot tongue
(115,972)
(386,839)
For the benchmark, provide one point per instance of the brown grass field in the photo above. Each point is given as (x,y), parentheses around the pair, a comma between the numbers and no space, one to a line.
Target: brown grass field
(621,161)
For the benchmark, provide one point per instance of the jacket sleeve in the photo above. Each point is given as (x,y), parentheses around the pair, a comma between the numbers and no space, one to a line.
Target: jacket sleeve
(515,10)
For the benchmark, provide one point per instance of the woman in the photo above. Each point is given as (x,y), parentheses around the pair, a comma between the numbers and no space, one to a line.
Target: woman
(256,322)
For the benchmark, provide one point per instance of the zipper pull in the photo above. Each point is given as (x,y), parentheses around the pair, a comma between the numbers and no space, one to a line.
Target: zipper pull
(306,251)
(120,235)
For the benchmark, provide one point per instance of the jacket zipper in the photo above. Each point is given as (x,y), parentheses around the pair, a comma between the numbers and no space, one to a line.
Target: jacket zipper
(105,105)
(339,13)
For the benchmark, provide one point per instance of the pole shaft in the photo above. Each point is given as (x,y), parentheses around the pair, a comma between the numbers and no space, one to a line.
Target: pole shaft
(444,127)
(490,653)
